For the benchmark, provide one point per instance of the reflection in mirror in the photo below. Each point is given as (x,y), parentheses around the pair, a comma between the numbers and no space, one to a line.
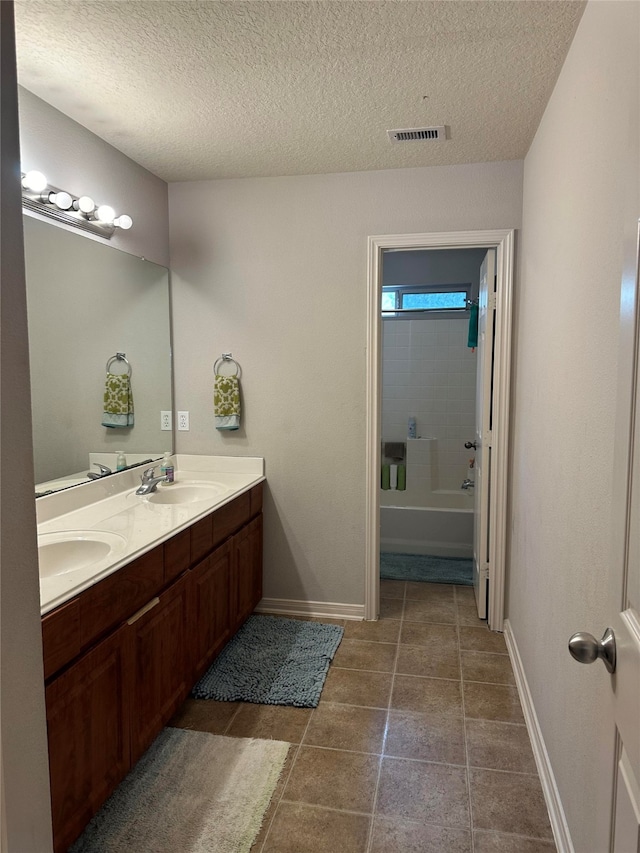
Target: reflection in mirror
(86,302)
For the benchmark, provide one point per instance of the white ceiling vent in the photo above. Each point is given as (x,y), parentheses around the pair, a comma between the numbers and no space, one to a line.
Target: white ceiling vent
(418,134)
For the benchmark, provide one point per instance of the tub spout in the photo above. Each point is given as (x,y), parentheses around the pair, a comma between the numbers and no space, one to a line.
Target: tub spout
(467,484)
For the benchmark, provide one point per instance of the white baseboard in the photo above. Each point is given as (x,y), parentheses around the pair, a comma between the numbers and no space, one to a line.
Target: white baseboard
(326,609)
(557,817)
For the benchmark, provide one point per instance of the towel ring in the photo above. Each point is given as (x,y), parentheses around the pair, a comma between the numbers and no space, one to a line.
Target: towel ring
(226,356)
(119,356)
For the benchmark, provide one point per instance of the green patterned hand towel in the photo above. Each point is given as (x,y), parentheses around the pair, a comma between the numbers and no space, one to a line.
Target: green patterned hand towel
(226,402)
(118,401)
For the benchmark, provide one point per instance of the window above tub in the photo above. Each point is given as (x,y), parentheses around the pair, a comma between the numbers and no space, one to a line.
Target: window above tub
(403,299)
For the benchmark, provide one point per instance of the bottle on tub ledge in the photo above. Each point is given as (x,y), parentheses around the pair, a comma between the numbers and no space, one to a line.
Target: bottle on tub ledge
(166,468)
(393,478)
(412,429)
(385,478)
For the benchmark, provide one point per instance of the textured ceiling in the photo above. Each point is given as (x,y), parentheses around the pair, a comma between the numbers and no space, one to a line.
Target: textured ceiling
(208,89)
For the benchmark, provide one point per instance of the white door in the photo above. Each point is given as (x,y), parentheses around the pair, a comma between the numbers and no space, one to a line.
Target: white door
(482,467)
(623,646)
(626,625)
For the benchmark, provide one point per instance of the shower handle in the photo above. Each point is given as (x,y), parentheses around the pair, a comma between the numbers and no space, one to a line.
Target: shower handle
(470,444)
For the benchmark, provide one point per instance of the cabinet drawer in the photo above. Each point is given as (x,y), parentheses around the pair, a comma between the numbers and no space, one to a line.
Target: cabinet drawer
(256,500)
(201,538)
(231,517)
(115,598)
(177,555)
(60,636)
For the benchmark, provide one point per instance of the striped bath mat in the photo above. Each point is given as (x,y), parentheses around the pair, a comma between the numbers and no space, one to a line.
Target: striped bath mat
(273,661)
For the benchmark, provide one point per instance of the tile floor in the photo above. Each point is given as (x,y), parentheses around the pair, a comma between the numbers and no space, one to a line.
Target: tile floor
(418,744)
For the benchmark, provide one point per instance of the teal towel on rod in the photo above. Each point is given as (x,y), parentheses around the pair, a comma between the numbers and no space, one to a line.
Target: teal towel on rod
(473,327)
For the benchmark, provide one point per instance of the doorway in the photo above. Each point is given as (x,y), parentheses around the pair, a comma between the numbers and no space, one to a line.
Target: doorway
(495,439)
(430,360)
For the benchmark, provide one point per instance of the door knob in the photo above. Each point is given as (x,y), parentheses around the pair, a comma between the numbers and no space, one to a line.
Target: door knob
(585,648)
(470,444)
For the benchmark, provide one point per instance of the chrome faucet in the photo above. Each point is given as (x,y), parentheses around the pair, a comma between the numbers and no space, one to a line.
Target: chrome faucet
(149,482)
(467,484)
(103,472)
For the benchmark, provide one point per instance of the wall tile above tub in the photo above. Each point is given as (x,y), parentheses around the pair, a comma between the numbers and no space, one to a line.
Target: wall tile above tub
(428,372)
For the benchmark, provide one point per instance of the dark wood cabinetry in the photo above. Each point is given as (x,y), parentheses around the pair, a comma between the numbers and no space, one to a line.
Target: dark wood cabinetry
(88,729)
(122,656)
(158,651)
(210,598)
(246,586)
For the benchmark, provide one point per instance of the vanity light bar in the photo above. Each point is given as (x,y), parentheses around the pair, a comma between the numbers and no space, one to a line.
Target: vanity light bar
(81,212)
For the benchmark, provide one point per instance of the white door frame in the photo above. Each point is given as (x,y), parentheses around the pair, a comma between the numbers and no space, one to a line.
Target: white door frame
(503,242)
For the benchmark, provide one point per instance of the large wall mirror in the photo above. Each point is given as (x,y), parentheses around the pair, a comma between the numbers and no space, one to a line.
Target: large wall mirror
(87,301)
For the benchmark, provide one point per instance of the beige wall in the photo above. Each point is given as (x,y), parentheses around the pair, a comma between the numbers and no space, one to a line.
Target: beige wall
(275,271)
(564,401)
(25,789)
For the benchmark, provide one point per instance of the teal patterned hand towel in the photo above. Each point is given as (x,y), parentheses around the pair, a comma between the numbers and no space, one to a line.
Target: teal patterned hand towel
(472,340)
(118,401)
(226,402)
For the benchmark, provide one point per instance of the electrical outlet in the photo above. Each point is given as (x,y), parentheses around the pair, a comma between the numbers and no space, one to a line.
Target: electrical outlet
(166,421)
(183,420)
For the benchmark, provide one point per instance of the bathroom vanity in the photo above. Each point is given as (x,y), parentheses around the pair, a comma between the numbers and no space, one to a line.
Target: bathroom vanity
(124,648)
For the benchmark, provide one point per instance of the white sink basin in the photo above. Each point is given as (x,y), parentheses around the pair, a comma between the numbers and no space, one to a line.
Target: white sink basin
(186,493)
(71,550)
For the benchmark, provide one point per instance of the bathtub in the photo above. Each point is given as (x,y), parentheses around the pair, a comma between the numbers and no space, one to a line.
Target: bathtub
(442,531)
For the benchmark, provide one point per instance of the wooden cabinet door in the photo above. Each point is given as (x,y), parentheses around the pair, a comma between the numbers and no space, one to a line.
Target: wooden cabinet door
(247,571)
(209,607)
(256,559)
(88,730)
(158,648)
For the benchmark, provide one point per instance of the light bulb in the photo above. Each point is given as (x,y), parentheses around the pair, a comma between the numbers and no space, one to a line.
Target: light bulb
(34,181)
(61,200)
(105,214)
(84,204)
(123,221)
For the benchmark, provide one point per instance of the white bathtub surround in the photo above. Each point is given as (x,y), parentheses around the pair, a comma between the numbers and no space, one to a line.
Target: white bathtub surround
(423,518)
(109,512)
(428,371)
(442,532)
(425,484)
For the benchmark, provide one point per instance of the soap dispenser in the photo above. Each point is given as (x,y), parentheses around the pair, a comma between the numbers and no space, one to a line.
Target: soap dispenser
(121,461)
(166,467)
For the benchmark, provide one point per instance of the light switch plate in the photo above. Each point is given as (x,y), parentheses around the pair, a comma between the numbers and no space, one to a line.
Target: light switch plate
(183,420)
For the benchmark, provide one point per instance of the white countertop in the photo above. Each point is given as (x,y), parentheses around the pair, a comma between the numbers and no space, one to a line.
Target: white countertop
(133,524)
